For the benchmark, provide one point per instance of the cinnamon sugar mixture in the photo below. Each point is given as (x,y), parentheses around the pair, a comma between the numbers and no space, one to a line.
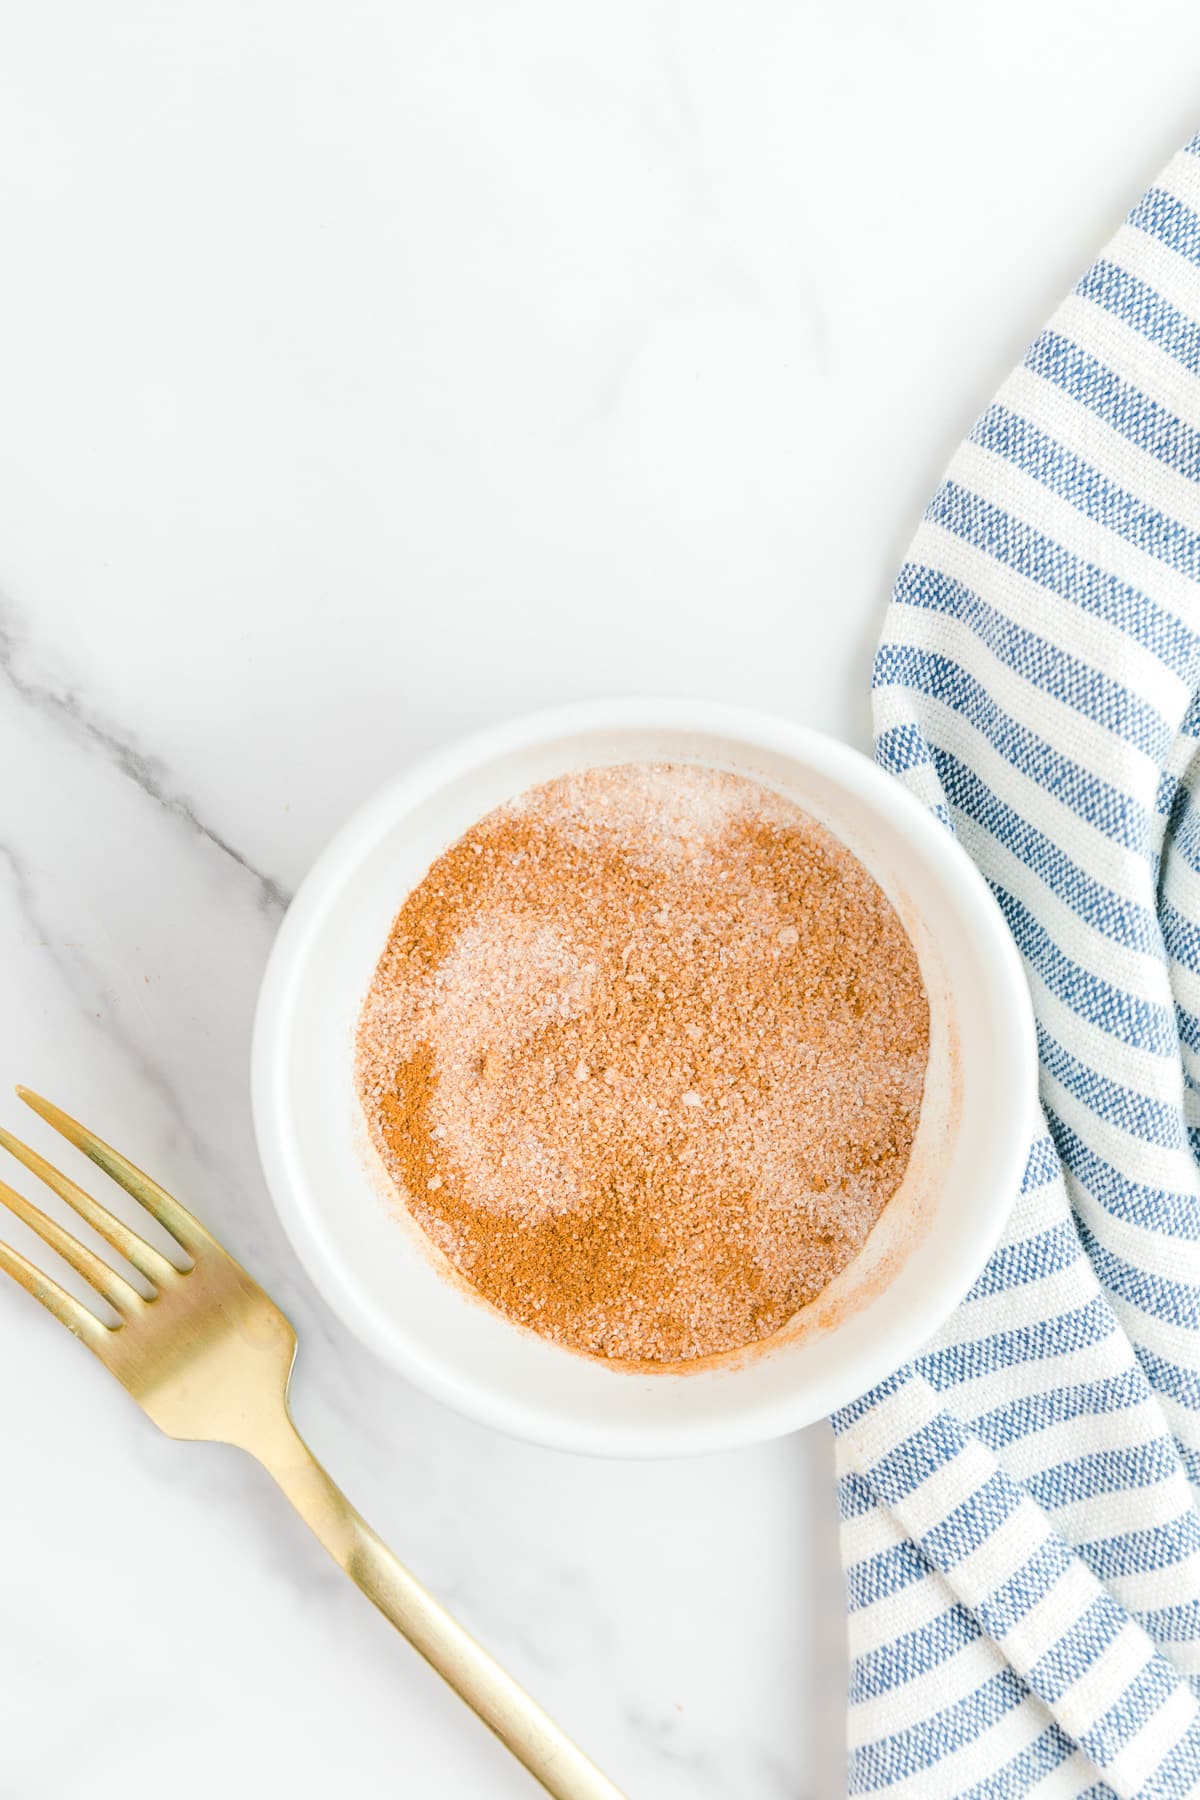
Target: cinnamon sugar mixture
(644,1054)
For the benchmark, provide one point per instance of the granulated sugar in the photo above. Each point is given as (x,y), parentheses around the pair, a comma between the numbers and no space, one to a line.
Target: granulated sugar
(644,1055)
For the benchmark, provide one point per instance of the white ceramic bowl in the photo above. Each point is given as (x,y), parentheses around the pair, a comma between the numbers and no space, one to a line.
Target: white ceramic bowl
(382,1275)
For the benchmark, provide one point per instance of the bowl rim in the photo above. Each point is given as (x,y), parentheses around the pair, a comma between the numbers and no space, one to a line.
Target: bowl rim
(335,867)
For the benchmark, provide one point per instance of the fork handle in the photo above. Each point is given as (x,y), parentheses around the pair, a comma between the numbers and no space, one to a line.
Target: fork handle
(503,1705)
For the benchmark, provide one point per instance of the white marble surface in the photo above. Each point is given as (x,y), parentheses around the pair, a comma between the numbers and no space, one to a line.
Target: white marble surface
(369,372)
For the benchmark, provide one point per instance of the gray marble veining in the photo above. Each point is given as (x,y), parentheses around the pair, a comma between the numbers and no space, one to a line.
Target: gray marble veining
(68,708)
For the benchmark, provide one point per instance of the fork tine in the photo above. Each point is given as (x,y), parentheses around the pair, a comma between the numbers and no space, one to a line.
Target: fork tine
(112,1287)
(187,1231)
(148,1261)
(66,1309)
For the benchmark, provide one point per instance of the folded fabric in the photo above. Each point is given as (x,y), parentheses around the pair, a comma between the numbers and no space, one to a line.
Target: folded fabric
(1020,1528)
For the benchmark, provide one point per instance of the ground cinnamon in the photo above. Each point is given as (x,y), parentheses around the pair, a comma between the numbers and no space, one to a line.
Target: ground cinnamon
(644,1054)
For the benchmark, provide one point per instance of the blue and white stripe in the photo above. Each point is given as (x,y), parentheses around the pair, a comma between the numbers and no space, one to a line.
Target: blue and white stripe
(1020,1517)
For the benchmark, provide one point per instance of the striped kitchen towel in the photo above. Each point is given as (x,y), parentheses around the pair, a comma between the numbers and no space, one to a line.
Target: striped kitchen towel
(1020,1504)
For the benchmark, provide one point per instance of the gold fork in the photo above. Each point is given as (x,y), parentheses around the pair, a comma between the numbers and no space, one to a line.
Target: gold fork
(208,1356)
